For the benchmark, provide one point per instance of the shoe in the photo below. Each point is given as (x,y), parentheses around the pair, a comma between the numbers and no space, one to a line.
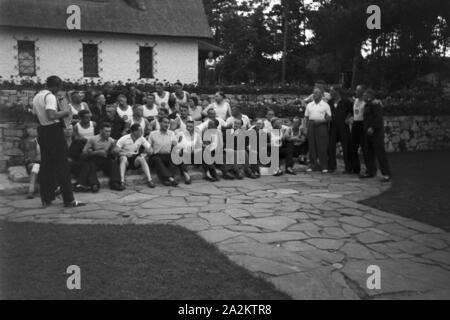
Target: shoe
(251,175)
(46,204)
(257,174)
(80,188)
(95,188)
(290,171)
(187,180)
(228,176)
(174,183)
(30,195)
(278,173)
(324,171)
(150,184)
(309,170)
(74,204)
(167,183)
(386,179)
(366,176)
(117,186)
(122,185)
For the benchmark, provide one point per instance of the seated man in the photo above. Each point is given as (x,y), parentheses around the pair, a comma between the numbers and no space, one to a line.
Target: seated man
(129,150)
(116,122)
(85,128)
(237,114)
(299,142)
(189,145)
(98,153)
(179,123)
(212,116)
(280,137)
(162,141)
(138,117)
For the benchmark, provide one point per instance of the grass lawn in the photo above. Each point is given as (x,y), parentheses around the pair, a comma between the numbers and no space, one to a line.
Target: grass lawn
(420,188)
(119,262)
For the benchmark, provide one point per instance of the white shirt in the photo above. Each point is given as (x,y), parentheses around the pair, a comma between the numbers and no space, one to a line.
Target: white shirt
(86,133)
(83,106)
(245,121)
(222,110)
(43,101)
(150,112)
(129,147)
(165,99)
(162,142)
(203,126)
(358,110)
(128,113)
(267,125)
(317,111)
(183,100)
(276,135)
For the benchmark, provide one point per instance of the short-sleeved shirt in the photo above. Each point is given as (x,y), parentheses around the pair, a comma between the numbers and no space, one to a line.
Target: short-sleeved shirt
(150,112)
(128,113)
(129,147)
(317,111)
(43,101)
(358,110)
(162,142)
(96,143)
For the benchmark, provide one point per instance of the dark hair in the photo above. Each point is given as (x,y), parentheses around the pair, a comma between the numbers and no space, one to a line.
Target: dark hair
(338,89)
(221,93)
(183,105)
(74,93)
(160,84)
(163,118)
(195,99)
(190,121)
(178,83)
(135,127)
(84,112)
(104,125)
(121,96)
(172,102)
(321,82)
(53,82)
(215,122)
(164,110)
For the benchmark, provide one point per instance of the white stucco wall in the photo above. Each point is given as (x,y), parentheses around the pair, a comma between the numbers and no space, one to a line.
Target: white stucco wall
(59,53)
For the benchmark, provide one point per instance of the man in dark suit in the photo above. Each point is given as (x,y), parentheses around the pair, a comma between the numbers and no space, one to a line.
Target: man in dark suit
(374,137)
(341,112)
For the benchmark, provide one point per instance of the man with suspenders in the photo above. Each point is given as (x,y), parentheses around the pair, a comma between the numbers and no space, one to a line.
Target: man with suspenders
(54,151)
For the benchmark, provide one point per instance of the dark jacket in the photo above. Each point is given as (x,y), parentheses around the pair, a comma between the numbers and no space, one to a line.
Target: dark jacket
(343,110)
(373,118)
(117,126)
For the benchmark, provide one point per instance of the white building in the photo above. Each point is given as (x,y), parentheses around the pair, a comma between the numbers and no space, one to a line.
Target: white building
(107,40)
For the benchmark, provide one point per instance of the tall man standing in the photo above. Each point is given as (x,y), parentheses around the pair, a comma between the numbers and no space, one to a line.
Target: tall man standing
(317,115)
(341,112)
(54,151)
(374,138)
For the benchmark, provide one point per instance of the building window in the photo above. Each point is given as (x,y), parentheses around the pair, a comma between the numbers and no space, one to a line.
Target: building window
(27,58)
(146,62)
(90,60)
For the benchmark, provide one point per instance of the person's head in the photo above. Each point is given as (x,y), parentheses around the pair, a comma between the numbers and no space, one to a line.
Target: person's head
(359,91)
(259,125)
(105,130)
(164,123)
(296,122)
(75,97)
(135,131)
(138,111)
(211,113)
(184,110)
(85,116)
(61,95)
(237,124)
(368,95)
(270,114)
(317,94)
(53,83)
(276,123)
(210,55)
(100,99)
(320,84)
(162,112)
(193,102)
(150,100)
(159,87)
(235,111)
(122,100)
(68,131)
(31,132)
(111,111)
(336,92)
(108,87)
(190,126)
(132,90)
(213,124)
(219,97)
(178,87)
(206,102)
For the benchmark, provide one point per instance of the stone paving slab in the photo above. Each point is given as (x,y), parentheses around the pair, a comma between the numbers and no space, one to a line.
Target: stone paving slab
(307,234)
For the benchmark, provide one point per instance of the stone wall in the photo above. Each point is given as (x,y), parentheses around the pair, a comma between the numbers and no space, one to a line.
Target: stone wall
(403,133)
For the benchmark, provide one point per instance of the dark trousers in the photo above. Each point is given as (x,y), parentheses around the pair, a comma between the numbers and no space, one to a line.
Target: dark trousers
(287,153)
(374,145)
(109,167)
(318,144)
(339,132)
(300,150)
(210,75)
(54,163)
(357,141)
(162,163)
(83,173)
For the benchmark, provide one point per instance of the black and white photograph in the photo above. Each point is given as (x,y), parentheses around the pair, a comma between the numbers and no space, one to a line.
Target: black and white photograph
(225,155)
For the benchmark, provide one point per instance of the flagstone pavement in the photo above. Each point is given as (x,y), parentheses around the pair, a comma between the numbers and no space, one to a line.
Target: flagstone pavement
(306,234)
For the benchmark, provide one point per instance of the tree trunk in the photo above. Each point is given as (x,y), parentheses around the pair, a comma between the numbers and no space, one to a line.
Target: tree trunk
(285,36)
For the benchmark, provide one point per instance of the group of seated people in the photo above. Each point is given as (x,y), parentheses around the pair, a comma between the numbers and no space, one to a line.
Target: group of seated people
(144,133)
